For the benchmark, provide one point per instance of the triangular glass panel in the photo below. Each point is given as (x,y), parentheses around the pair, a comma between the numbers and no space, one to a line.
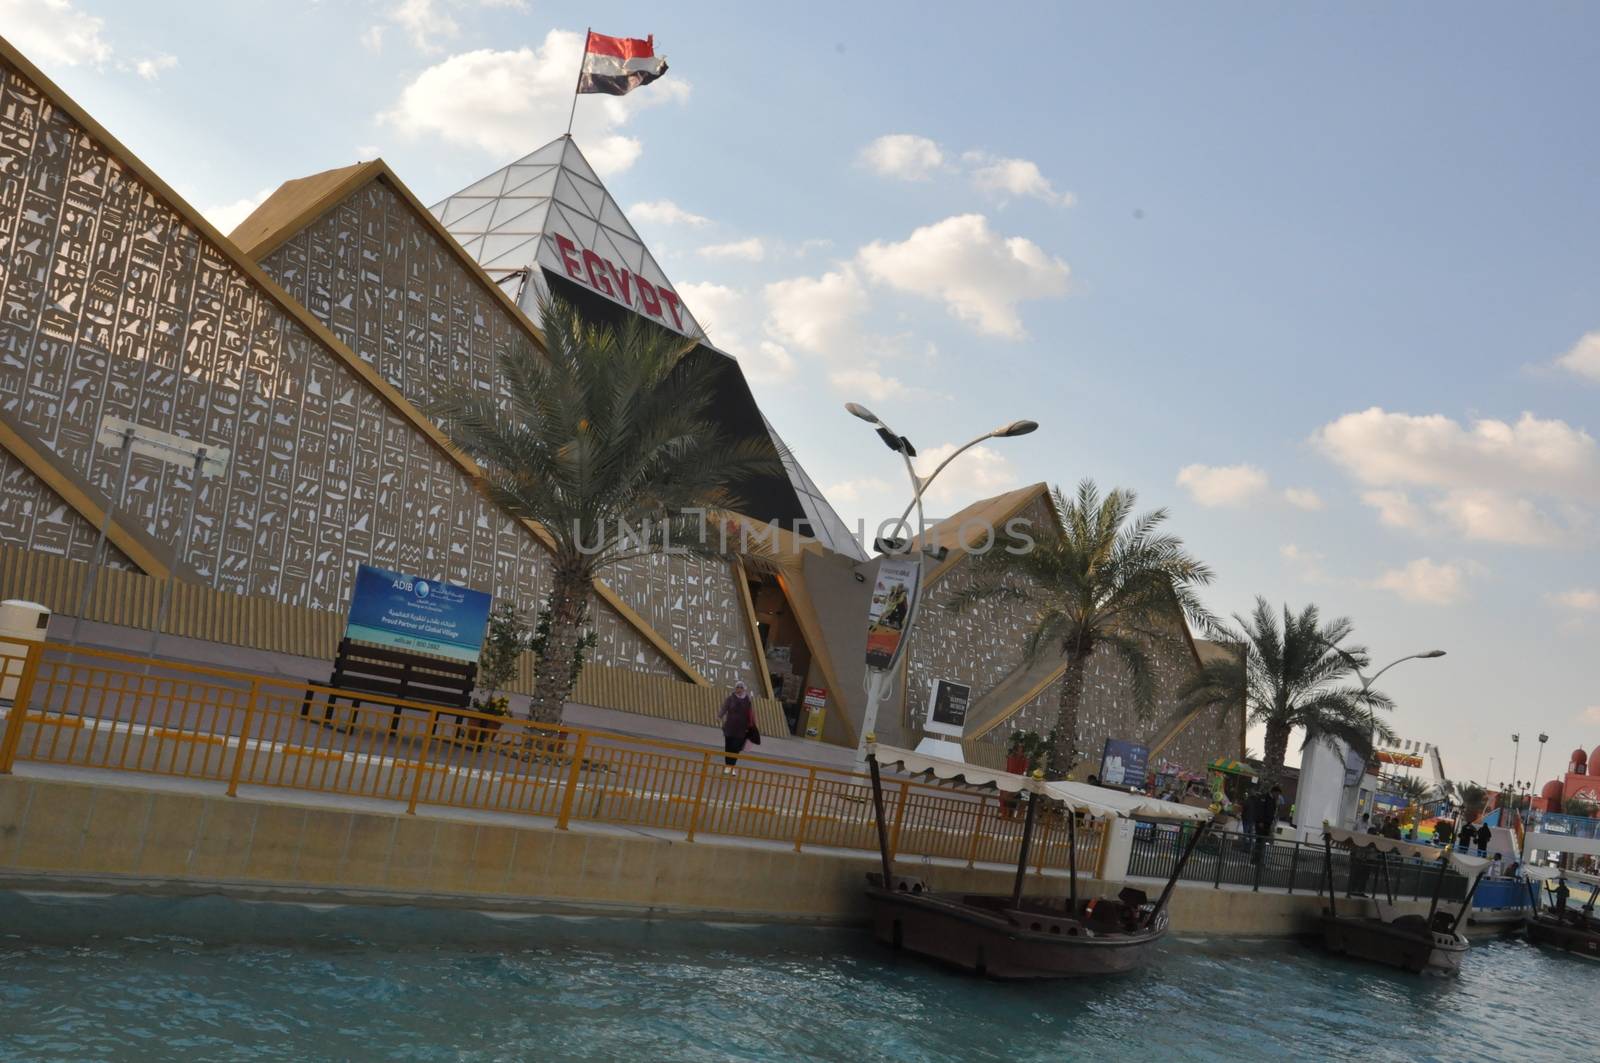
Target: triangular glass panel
(542,183)
(512,207)
(474,221)
(509,250)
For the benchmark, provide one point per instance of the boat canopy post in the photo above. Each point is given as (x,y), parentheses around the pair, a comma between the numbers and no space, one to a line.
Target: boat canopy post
(1466,903)
(1172,883)
(877,807)
(1383,865)
(1022,857)
(1327,870)
(1438,887)
(1072,861)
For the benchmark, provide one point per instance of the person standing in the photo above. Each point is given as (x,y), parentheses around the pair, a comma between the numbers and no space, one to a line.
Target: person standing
(1484,834)
(738,717)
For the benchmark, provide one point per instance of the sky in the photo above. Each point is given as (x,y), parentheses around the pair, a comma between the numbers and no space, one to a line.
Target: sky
(1321,280)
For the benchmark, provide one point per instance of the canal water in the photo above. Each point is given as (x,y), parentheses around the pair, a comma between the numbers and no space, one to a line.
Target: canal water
(127,978)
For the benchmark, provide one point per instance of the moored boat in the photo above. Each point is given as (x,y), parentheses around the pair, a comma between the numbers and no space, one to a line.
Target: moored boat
(1557,926)
(1019,936)
(1421,944)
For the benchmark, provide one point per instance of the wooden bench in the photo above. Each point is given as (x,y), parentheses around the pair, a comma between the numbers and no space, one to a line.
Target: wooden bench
(362,669)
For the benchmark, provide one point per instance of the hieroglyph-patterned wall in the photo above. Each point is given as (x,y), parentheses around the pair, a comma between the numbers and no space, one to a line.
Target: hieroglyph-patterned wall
(386,284)
(978,646)
(112,302)
(35,518)
(1109,710)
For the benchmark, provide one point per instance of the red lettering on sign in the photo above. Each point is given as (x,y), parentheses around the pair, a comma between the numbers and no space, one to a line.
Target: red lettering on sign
(670,297)
(647,296)
(622,279)
(596,280)
(569,252)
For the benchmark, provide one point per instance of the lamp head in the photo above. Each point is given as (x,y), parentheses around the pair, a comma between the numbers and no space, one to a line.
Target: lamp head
(1431,653)
(1015,428)
(858,410)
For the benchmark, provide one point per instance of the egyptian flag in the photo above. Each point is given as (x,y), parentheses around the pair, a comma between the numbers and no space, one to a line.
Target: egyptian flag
(618,65)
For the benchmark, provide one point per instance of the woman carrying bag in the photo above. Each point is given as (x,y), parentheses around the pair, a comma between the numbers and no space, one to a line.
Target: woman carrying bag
(738,718)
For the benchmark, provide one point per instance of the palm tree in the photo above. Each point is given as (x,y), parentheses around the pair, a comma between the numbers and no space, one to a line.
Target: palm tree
(607,444)
(1414,790)
(1102,579)
(1288,677)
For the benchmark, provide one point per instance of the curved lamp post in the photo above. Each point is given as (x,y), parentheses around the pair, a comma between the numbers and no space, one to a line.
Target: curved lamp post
(878,680)
(1367,681)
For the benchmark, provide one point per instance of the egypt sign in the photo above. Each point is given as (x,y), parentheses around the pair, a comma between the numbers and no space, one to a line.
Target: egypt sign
(595,271)
(1402,760)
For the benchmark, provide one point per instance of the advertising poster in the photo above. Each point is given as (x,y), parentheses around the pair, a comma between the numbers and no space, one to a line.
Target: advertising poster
(893,597)
(816,709)
(1123,763)
(418,615)
(947,708)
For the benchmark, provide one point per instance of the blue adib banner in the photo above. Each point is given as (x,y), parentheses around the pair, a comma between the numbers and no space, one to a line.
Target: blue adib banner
(1123,763)
(420,615)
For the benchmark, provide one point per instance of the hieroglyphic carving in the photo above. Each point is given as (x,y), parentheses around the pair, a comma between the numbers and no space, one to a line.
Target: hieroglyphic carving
(112,302)
(34,517)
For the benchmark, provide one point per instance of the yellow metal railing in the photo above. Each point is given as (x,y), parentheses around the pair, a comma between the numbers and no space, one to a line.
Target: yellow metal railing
(98,709)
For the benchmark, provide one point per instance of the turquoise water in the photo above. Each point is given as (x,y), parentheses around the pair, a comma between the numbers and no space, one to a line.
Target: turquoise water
(207,979)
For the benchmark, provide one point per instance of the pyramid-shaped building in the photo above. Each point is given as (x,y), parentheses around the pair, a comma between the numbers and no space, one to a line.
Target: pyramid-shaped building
(545,224)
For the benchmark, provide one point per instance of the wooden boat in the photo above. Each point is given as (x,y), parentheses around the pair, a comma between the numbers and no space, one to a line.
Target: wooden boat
(1430,944)
(1012,935)
(1556,926)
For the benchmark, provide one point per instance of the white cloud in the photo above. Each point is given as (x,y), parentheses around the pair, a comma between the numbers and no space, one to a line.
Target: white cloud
(1579,599)
(1584,357)
(818,314)
(870,489)
(866,382)
(1395,509)
(227,216)
(1590,715)
(505,103)
(426,22)
(372,39)
(54,32)
(1304,498)
(151,68)
(980,276)
(981,472)
(732,322)
(1481,478)
(905,156)
(1006,179)
(1497,517)
(1307,563)
(1222,485)
(665,212)
(1426,581)
(751,250)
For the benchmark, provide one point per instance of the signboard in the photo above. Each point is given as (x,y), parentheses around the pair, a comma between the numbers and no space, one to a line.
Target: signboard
(420,615)
(816,707)
(636,293)
(1404,760)
(947,708)
(1122,763)
(894,596)
(163,446)
(1388,803)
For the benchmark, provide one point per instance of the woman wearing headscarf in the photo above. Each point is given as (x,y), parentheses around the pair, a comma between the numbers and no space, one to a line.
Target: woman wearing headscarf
(737,716)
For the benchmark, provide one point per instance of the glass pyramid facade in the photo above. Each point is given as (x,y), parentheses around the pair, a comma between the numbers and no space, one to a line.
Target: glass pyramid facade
(546,223)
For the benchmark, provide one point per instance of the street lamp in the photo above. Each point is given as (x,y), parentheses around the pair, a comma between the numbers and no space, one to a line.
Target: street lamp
(1543,738)
(878,679)
(919,484)
(1367,681)
(1516,752)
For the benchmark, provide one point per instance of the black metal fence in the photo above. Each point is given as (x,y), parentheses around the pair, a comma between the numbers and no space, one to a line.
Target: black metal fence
(1263,863)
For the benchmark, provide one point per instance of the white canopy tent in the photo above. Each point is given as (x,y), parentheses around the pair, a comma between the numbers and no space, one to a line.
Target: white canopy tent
(1079,797)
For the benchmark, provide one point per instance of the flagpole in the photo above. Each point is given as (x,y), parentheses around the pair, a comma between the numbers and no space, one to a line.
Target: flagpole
(579,82)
